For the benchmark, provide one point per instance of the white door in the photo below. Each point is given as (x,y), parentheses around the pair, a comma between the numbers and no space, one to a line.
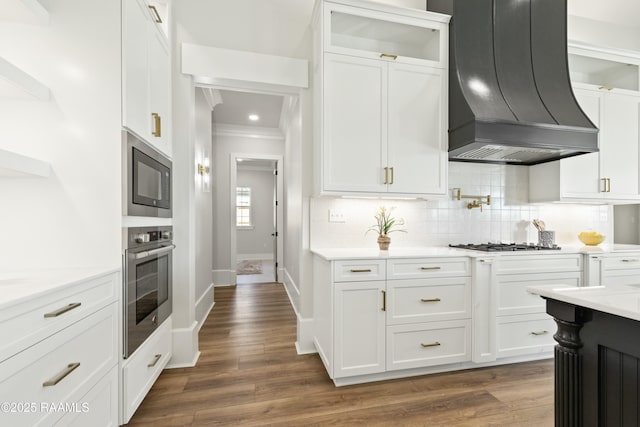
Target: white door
(354,143)
(581,174)
(417,144)
(359,328)
(619,151)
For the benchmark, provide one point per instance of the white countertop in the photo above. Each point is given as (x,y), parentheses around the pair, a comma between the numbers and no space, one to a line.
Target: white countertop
(19,286)
(331,254)
(622,300)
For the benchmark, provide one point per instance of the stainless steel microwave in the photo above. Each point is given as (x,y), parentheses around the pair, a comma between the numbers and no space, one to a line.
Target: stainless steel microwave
(146,179)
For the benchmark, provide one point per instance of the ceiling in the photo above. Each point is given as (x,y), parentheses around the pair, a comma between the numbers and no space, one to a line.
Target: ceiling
(621,12)
(237,106)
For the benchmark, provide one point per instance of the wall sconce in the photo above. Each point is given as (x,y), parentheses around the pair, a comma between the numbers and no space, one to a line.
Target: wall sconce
(203,171)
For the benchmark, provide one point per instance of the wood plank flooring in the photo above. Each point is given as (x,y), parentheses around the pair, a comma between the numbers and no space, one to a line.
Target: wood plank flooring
(250,375)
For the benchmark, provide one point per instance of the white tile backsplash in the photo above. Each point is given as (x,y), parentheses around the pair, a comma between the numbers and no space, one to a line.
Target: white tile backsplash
(440,222)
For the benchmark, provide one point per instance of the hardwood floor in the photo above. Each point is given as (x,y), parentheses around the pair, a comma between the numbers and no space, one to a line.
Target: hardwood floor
(250,375)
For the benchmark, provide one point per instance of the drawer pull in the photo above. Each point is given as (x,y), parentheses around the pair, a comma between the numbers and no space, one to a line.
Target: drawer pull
(155,361)
(364,270)
(429,268)
(631,260)
(388,55)
(540,333)
(62,375)
(63,310)
(384,300)
(433,344)
(430,299)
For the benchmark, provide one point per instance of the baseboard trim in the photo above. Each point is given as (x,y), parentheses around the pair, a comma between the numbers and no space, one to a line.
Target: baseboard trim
(223,277)
(264,256)
(204,305)
(304,343)
(185,347)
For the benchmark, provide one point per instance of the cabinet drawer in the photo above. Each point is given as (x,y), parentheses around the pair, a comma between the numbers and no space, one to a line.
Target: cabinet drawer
(428,344)
(420,300)
(428,267)
(142,369)
(359,270)
(513,297)
(520,264)
(624,265)
(523,335)
(100,405)
(60,369)
(23,325)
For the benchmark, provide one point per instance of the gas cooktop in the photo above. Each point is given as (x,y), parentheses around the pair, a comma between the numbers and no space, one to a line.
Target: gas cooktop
(505,247)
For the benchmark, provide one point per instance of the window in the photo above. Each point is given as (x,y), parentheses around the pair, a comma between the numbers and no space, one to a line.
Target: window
(243,207)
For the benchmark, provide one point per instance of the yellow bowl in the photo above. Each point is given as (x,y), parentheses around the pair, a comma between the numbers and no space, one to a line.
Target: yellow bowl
(591,238)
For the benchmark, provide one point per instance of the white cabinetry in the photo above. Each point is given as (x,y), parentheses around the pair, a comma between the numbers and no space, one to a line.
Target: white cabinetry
(509,321)
(613,269)
(380,100)
(62,348)
(376,316)
(146,76)
(607,87)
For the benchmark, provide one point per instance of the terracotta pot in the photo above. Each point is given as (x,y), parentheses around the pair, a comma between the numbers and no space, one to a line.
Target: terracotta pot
(383,242)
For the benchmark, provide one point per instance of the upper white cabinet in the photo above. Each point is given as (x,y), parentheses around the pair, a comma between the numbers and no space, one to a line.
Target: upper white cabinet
(23,11)
(381,87)
(606,86)
(146,75)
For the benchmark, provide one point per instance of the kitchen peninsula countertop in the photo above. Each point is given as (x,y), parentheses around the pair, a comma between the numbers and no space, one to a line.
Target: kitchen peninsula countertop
(621,300)
(331,254)
(19,286)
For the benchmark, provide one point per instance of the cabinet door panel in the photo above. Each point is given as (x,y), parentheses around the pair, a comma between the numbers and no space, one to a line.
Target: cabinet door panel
(159,90)
(354,127)
(360,328)
(619,157)
(581,174)
(416,134)
(135,23)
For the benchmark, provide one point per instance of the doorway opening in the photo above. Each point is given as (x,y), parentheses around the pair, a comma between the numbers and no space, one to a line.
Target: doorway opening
(256,194)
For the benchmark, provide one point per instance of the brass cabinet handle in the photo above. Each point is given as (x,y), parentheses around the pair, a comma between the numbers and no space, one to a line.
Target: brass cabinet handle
(63,310)
(433,344)
(386,175)
(364,270)
(487,261)
(540,333)
(604,182)
(62,375)
(155,12)
(157,125)
(155,361)
(429,268)
(384,300)
(388,55)
(608,185)
(607,87)
(430,299)
(392,175)
(631,260)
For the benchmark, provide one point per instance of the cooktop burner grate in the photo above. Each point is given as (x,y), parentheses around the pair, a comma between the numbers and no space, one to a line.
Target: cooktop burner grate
(505,247)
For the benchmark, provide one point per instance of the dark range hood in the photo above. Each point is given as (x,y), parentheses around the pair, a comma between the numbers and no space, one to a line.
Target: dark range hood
(510,96)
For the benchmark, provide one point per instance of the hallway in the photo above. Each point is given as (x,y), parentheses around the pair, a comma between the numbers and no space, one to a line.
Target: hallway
(250,375)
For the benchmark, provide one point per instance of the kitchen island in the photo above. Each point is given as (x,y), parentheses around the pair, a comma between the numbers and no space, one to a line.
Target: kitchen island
(597,359)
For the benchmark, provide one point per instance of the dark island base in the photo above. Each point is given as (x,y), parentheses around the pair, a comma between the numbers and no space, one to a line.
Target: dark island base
(597,367)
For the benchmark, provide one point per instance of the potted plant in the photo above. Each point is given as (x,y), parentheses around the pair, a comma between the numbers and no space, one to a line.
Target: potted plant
(386,224)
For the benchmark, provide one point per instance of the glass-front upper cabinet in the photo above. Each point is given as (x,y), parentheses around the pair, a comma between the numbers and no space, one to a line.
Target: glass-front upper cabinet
(604,68)
(413,37)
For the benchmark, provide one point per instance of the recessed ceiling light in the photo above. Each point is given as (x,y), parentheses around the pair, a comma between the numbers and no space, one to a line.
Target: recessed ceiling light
(254,117)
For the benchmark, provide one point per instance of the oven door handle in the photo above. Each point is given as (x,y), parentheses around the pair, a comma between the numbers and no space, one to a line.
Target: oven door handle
(146,254)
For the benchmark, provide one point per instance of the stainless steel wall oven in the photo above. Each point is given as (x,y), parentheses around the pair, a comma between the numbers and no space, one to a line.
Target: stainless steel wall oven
(147,183)
(147,283)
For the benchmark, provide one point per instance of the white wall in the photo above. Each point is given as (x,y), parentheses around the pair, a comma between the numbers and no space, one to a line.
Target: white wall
(256,241)
(72,218)
(203,215)
(507,219)
(223,147)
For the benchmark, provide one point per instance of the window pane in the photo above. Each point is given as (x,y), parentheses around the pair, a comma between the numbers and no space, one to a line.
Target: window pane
(243,206)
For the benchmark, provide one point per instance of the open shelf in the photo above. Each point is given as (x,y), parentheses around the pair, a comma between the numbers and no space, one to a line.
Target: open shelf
(24,11)
(17,165)
(15,83)
(606,68)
